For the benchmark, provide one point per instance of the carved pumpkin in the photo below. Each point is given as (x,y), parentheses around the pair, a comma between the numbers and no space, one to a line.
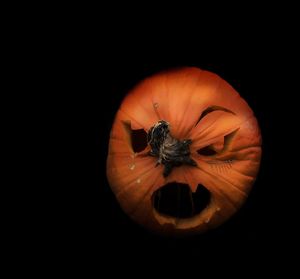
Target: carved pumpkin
(183,134)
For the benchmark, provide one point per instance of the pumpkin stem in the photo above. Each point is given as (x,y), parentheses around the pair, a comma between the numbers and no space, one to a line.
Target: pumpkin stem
(170,151)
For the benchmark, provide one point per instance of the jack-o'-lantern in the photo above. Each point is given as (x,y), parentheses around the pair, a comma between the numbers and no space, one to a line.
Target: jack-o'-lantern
(184,134)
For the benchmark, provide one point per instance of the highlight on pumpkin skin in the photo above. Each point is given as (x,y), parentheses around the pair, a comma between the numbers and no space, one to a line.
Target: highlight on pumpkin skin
(182,139)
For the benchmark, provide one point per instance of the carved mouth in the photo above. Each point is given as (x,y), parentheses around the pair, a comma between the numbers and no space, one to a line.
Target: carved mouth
(177,201)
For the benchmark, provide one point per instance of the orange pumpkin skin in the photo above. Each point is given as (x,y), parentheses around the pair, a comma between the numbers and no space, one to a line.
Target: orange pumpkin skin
(180,97)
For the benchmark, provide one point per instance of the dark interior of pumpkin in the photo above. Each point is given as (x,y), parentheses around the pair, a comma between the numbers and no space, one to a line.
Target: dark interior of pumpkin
(177,200)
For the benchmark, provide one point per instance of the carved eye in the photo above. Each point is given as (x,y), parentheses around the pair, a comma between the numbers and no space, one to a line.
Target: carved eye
(207,151)
(137,139)
(212,150)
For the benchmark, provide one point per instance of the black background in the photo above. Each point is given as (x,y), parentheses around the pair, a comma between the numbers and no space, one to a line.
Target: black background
(98,74)
(74,67)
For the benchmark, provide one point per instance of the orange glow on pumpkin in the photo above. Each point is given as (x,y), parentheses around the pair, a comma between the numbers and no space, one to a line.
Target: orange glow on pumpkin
(225,144)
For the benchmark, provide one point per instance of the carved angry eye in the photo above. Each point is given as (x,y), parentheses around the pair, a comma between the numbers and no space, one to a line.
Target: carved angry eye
(210,150)
(183,153)
(137,139)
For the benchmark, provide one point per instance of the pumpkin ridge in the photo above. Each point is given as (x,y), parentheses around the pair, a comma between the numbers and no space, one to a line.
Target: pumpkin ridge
(224,179)
(209,141)
(147,192)
(130,183)
(243,174)
(189,105)
(188,97)
(246,147)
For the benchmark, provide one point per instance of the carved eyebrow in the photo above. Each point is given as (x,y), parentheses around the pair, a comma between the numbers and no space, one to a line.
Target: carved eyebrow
(212,109)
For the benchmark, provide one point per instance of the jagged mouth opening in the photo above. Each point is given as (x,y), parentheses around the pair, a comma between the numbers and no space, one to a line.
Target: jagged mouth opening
(176,200)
